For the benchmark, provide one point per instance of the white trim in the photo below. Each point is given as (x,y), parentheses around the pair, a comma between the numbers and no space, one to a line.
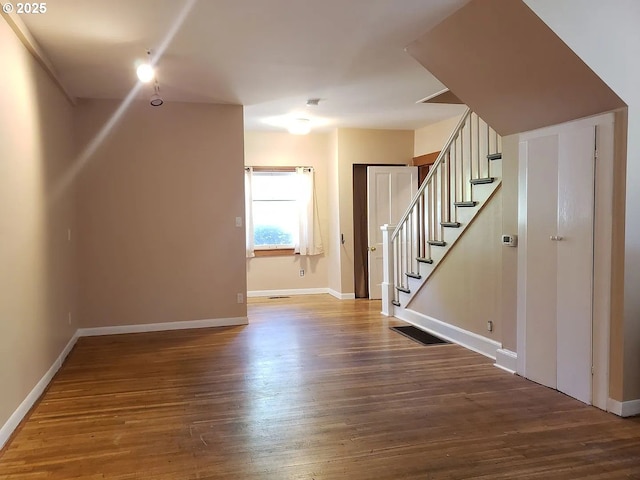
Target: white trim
(593,120)
(624,409)
(159,327)
(23,409)
(434,95)
(506,360)
(521,320)
(293,291)
(465,338)
(342,296)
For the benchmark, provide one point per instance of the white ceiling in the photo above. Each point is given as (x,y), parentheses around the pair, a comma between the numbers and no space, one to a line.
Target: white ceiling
(268,55)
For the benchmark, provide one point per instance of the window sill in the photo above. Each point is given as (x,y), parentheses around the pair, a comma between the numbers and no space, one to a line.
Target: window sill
(274,252)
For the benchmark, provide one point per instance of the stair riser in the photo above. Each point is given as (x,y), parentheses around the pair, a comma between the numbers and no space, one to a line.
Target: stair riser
(414,283)
(495,168)
(425,271)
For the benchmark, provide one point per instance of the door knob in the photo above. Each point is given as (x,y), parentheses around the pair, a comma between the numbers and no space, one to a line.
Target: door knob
(556,238)
(373,249)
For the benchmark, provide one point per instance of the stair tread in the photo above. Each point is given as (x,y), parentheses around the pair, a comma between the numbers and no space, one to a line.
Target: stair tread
(396,303)
(402,289)
(450,224)
(437,243)
(494,156)
(482,181)
(424,260)
(417,276)
(466,204)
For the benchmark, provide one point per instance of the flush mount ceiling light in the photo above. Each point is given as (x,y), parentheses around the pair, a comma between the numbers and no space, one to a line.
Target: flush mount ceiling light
(295,119)
(145,70)
(299,126)
(156,99)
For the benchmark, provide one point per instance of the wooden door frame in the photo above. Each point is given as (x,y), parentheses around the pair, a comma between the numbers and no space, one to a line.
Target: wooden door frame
(424,163)
(602,246)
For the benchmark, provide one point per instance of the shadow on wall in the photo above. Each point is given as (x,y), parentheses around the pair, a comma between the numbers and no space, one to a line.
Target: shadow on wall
(57,285)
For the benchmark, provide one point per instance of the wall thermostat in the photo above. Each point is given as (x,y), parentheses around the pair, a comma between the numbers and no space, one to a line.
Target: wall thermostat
(509,240)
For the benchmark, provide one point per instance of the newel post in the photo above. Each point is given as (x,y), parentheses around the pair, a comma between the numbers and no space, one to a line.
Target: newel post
(387,269)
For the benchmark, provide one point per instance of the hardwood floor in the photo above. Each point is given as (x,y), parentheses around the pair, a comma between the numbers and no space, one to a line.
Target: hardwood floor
(314,388)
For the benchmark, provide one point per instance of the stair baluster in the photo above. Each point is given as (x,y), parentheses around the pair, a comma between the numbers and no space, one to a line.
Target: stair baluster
(434,207)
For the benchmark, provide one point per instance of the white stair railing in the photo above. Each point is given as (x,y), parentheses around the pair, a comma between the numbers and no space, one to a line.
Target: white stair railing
(464,161)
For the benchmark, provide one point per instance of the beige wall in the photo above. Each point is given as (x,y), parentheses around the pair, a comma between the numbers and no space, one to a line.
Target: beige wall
(333,155)
(617,323)
(335,247)
(465,289)
(510,255)
(432,138)
(157,205)
(37,283)
(283,149)
(363,146)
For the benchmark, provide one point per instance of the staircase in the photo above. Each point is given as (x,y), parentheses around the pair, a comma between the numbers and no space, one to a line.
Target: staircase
(461,181)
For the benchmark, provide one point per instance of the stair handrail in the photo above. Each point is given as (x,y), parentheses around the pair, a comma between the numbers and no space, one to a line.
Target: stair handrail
(432,170)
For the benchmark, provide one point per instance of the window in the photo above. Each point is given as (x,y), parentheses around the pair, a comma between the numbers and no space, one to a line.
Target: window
(275,210)
(281,212)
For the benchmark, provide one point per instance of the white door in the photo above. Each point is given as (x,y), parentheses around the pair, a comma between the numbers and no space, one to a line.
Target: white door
(389,193)
(555,289)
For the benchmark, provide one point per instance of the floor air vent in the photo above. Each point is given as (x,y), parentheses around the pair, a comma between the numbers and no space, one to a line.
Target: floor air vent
(418,335)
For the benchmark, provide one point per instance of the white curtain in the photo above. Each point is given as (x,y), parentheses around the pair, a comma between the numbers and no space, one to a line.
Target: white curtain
(248,212)
(309,241)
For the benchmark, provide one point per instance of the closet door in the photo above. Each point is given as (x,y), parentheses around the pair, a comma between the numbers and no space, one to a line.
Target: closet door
(574,249)
(541,263)
(556,291)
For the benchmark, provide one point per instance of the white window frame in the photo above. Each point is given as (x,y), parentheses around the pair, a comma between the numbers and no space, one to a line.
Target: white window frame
(264,173)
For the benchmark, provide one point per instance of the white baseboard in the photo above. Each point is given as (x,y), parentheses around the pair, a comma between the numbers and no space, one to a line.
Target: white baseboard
(295,291)
(506,360)
(159,327)
(342,296)
(301,291)
(624,409)
(470,340)
(14,420)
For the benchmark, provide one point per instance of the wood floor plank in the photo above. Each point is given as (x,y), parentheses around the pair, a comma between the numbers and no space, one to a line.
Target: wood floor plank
(315,389)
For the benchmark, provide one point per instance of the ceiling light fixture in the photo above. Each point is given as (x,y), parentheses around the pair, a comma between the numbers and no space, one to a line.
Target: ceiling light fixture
(299,126)
(145,71)
(156,99)
(313,102)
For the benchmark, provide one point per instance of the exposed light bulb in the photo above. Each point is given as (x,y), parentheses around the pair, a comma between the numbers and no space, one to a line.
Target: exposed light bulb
(299,126)
(145,73)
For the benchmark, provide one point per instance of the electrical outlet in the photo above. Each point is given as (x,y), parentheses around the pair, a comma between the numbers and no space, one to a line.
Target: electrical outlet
(302,272)
(240,298)
(490,326)
(238,221)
